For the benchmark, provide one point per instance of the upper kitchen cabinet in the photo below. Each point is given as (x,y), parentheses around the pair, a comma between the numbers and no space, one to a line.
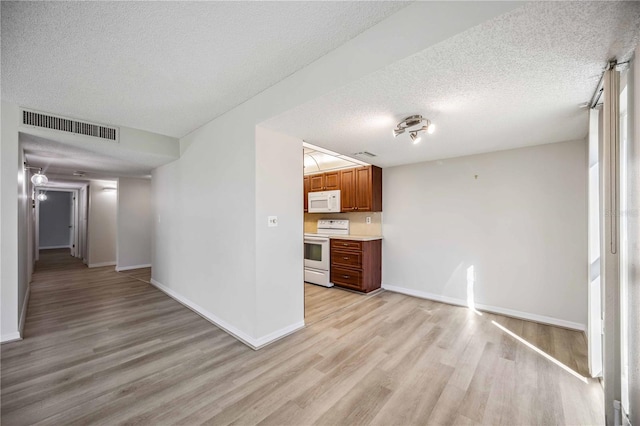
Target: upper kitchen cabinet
(328,181)
(306,193)
(361,189)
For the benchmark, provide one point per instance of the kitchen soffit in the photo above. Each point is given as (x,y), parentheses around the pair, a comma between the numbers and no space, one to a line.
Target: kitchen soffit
(317,159)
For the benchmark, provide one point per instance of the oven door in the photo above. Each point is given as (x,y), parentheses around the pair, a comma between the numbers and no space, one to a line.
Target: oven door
(316,253)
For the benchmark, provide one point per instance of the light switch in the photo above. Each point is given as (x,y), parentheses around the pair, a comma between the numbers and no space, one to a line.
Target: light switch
(272,221)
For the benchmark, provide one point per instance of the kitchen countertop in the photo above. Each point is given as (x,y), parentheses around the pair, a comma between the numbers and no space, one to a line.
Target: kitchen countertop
(356,237)
(350,237)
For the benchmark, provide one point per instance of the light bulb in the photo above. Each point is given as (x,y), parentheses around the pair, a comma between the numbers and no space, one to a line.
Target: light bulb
(414,137)
(39,179)
(42,196)
(431,128)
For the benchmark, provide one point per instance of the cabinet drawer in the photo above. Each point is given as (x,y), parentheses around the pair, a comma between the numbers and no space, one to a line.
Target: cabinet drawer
(346,244)
(346,258)
(347,277)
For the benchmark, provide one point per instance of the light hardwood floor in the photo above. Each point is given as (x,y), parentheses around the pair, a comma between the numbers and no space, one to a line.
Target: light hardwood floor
(321,302)
(142,274)
(102,347)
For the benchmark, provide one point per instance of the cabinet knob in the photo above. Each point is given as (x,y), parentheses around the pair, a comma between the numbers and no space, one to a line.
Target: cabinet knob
(345,276)
(345,244)
(345,258)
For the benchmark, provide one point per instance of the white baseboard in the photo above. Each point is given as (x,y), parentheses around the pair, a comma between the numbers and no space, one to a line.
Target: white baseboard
(127,268)
(488,308)
(23,314)
(101,264)
(10,337)
(253,343)
(54,247)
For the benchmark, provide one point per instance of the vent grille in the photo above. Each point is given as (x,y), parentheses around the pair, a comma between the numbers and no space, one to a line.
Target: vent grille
(36,119)
(367,153)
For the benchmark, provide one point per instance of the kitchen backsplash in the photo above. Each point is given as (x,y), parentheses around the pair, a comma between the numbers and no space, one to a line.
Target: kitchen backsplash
(357,222)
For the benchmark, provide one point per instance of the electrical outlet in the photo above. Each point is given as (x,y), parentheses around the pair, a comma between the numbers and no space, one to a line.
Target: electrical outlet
(368,220)
(272,221)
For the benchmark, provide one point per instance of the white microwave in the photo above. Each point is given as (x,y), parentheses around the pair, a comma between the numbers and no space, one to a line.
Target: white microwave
(324,202)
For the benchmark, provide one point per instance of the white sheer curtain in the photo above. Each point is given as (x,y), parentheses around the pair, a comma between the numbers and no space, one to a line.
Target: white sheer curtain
(619,171)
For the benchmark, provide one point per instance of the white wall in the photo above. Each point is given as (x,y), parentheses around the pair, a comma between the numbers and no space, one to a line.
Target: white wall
(101,234)
(522,225)
(280,265)
(25,244)
(55,218)
(209,244)
(134,224)
(205,238)
(11,174)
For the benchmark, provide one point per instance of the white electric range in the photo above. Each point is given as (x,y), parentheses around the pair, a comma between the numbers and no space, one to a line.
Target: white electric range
(316,251)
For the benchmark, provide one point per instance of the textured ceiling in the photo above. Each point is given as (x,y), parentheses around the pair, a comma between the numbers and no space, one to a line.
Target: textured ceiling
(514,81)
(165,67)
(63,159)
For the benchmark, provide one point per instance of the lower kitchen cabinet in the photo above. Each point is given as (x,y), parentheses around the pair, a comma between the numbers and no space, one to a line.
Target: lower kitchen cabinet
(356,265)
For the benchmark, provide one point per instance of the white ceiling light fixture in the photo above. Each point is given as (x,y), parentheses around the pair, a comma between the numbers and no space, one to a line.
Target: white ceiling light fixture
(39,178)
(42,196)
(410,124)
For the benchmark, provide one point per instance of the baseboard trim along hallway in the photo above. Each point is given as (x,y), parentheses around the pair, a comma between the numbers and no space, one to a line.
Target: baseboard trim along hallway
(128,268)
(488,308)
(10,337)
(253,343)
(101,264)
(23,313)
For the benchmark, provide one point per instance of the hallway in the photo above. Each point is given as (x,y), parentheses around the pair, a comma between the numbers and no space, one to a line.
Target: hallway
(104,347)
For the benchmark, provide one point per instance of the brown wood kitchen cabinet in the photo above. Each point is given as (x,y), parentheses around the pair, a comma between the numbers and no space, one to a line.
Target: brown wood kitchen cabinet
(328,181)
(306,193)
(356,265)
(361,189)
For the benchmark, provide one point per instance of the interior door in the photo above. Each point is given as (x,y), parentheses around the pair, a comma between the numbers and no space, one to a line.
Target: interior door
(72,227)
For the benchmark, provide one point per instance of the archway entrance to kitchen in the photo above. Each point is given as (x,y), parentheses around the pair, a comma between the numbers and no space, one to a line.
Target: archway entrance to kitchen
(342,232)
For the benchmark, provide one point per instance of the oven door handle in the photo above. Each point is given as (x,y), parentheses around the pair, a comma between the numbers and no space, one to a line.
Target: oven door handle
(316,240)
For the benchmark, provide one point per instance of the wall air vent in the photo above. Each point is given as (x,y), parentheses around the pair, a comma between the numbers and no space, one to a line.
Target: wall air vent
(367,153)
(46,121)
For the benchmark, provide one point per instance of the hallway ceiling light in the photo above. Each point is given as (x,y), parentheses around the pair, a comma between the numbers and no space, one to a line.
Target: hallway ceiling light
(38,178)
(412,122)
(42,196)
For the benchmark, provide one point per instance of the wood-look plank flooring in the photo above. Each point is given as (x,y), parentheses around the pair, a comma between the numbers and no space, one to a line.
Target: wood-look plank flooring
(142,274)
(101,347)
(321,302)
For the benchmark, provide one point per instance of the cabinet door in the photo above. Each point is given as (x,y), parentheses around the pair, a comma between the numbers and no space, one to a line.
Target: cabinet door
(347,190)
(316,183)
(306,193)
(331,181)
(363,189)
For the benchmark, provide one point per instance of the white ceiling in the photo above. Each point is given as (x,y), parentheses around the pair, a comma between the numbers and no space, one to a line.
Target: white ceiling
(514,81)
(63,159)
(165,67)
